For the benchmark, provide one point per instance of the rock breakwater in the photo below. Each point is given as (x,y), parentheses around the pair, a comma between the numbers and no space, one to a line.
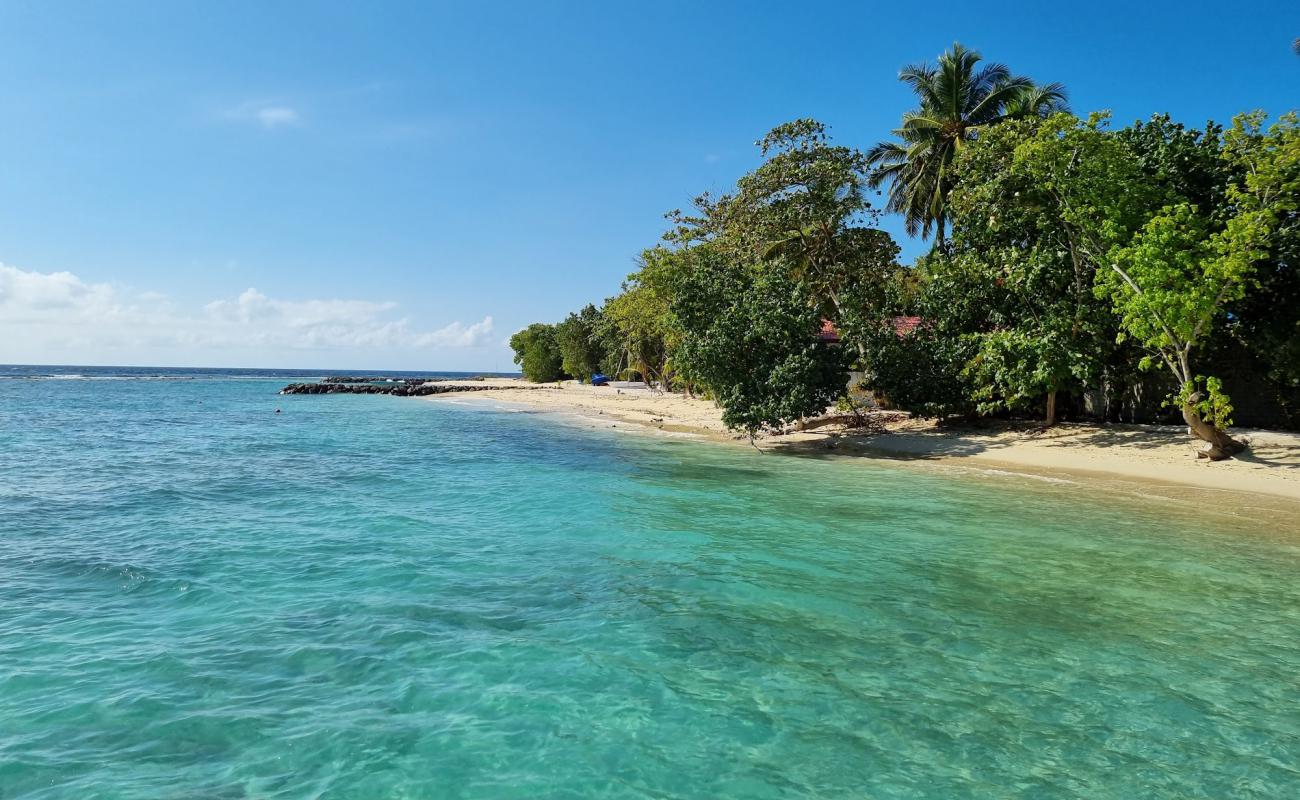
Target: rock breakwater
(398,389)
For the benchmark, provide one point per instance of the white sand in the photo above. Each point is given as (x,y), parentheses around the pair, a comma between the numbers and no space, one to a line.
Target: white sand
(1156,456)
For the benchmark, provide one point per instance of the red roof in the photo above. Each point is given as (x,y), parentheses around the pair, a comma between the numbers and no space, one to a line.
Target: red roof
(902,327)
(905,325)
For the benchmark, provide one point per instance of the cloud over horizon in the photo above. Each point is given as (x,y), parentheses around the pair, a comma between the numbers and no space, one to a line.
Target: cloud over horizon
(48,314)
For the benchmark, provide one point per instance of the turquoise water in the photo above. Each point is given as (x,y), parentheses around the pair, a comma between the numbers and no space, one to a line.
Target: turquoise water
(375,597)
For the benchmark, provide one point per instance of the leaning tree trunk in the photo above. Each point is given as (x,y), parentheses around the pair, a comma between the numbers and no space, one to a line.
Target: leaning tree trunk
(1218,444)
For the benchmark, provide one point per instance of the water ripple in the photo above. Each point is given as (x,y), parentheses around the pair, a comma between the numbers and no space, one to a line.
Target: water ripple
(370,597)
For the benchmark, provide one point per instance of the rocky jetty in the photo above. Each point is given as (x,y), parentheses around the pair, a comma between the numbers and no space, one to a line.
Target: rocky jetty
(389,379)
(399,389)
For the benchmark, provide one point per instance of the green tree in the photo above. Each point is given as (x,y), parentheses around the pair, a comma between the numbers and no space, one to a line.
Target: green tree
(1176,277)
(1260,333)
(922,371)
(1183,162)
(538,353)
(957,100)
(804,210)
(1266,320)
(1037,327)
(640,326)
(1168,267)
(751,338)
(797,229)
(581,348)
(1010,315)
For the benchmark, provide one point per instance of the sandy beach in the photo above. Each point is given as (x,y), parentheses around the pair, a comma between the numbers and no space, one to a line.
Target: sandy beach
(1155,459)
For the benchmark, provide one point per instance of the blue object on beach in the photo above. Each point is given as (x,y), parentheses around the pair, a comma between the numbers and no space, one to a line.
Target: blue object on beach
(599,380)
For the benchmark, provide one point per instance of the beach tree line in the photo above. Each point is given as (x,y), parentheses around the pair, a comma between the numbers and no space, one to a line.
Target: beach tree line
(1075,267)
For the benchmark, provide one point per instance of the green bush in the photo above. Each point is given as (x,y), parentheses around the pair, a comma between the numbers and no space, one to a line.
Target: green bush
(537,352)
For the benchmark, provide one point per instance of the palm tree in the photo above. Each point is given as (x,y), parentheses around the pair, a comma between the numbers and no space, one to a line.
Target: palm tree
(957,98)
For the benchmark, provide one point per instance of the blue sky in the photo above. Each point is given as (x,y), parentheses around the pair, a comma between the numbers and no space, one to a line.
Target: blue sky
(403,185)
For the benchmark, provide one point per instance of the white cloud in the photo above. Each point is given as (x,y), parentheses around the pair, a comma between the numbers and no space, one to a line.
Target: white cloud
(37,297)
(253,306)
(48,313)
(276,116)
(458,335)
(267,114)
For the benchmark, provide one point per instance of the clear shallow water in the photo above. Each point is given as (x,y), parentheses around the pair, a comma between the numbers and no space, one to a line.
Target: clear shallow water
(379,597)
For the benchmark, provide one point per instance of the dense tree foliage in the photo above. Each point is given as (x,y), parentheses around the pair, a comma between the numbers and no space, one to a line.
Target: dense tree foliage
(641,330)
(579,340)
(1166,265)
(752,339)
(799,233)
(1173,281)
(923,371)
(1072,244)
(1076,269)
(1038,328)
(804,212)
(537,352)
(1260,331)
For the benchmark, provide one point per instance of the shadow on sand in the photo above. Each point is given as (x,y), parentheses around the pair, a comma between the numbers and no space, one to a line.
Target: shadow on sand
(957,441)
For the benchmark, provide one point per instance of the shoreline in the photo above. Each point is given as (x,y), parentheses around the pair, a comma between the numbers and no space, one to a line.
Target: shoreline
(1141,459)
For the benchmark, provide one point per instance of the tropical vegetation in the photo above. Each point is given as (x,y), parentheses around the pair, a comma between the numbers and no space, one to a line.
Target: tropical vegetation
(957,100)
(1076,270)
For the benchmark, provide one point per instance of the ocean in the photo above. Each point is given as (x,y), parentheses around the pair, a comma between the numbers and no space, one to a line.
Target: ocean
(381,597)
